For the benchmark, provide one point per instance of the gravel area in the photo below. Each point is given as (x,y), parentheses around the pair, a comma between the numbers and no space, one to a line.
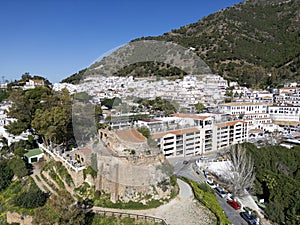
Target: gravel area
(182,210)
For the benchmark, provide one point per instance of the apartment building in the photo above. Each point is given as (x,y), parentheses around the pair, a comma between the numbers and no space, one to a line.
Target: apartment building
(243,108)
(191,135)
(230,133)
(202,135)
(184,142)
(284,113)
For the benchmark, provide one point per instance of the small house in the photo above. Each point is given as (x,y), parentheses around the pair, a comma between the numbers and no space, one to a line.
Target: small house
(34,155)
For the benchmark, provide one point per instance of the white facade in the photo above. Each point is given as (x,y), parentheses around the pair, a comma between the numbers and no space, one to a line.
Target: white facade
(203,136)
(284,113)
(230,133)
(243,108)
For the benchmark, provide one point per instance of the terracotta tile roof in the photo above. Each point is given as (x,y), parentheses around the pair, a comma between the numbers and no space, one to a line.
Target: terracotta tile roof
(85,151)
(256,131)
(288,88)
(192,116)
(131,136)
(175,132)
(286,123)
(150,120)
(229,123)
(242,103)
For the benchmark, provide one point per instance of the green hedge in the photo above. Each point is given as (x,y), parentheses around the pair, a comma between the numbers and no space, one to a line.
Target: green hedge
(207,197)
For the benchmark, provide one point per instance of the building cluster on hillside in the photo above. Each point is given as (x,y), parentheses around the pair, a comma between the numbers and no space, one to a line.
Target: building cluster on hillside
(208,89)
(249,116)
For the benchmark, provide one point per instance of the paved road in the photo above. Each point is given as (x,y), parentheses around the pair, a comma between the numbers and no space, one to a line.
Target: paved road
(188,170)
(231,213)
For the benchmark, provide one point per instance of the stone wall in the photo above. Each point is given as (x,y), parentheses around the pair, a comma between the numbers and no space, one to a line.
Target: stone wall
(132,180)
(118,145)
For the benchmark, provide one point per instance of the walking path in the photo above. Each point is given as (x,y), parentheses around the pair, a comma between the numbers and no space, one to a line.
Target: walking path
(36,176)
(183,209)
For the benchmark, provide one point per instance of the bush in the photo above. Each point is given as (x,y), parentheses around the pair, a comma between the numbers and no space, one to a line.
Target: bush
(31,199)
(208,198)
(90,171)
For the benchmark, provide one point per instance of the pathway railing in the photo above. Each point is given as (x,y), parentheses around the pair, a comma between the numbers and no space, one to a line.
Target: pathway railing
(130,215)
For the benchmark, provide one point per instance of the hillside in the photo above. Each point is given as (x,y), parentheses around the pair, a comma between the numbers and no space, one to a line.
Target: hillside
(248,41)
(256,43)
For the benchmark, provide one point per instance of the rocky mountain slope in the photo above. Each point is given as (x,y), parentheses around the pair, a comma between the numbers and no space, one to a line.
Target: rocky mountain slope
(256,43)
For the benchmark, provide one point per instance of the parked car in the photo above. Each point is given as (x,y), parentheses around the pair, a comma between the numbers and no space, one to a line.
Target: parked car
(203,158)
(250,218)
(234,204)
(185,162)
(220,191)
(205,173)
(211,183)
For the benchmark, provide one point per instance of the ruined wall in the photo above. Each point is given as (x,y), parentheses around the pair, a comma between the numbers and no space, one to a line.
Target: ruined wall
(132,179)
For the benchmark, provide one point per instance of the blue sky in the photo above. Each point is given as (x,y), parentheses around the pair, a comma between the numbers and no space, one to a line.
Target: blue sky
(56,38)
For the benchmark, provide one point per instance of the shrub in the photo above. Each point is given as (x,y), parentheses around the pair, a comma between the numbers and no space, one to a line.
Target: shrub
(207,198)
(31,199)
(90,171)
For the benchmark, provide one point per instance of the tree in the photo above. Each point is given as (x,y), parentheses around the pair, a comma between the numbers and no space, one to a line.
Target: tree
(53,120)
(61,210)
(111,102)
(18,166)
(144,131)
(26,76)
(199,107)
(240,171)
(32,198)
(4,142)
(6,174)
(25,103)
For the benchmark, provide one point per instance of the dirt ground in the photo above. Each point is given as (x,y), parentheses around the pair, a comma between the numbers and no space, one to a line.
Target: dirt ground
(183,209)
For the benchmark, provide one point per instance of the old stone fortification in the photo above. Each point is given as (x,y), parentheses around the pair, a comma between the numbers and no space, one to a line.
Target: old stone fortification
(129,169)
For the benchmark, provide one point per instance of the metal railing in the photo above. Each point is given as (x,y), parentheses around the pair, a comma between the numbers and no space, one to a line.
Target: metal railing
(130,215)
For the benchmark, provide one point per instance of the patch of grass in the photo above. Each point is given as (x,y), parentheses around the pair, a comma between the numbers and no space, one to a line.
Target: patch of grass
(8,195)
(104,201)
(49,165)
(63,172)
(55,178)
(85,191)
(90,171)
(49,183)
(38,178)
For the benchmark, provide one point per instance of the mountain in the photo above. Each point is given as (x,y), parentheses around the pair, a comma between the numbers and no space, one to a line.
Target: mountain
(256,42)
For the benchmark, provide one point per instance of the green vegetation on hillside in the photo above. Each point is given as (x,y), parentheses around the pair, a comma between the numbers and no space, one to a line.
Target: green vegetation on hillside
(148,69)
(255,43)
(75,78)
(247,42)
(278,181)
(159,105)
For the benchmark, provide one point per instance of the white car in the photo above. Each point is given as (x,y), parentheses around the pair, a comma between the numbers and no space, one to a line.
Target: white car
(220,192)
(211,183)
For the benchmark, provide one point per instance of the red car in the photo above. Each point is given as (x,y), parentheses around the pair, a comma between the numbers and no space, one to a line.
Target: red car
(234,204)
